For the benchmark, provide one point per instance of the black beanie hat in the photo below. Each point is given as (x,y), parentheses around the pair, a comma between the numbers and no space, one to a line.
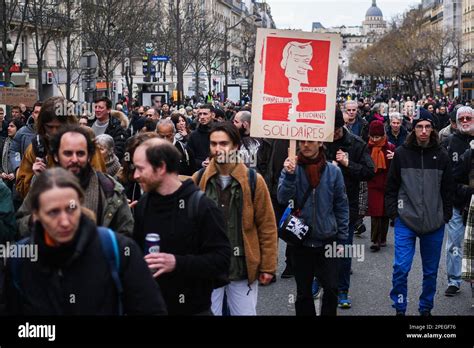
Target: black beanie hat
(339,120)
(422,115)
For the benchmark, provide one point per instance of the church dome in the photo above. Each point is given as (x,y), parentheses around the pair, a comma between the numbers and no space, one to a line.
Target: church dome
(374,11)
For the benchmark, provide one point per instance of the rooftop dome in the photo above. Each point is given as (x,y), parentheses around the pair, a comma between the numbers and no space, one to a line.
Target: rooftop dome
(374,11)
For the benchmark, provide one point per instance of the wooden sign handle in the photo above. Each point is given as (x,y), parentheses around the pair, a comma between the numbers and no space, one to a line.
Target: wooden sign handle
(292,149)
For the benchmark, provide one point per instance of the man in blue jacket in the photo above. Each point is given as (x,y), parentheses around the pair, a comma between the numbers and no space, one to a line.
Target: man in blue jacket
(419,195)
(316,186)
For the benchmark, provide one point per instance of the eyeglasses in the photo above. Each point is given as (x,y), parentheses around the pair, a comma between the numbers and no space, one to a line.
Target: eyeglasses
(465,119)
(351,109)
(420,127)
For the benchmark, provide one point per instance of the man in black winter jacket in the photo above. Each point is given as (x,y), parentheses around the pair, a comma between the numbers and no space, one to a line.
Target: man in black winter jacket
(350,153)
(194,255)
(106,124)
(418,197)
(456,145)
(199,139)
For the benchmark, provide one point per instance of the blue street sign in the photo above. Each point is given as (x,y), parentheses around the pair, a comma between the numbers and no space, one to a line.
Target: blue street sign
(160,58)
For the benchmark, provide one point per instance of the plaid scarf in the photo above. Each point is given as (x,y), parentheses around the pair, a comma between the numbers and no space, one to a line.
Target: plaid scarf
(6,148)
(467,268)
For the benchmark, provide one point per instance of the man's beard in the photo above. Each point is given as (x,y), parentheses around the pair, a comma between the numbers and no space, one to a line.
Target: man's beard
(83,175)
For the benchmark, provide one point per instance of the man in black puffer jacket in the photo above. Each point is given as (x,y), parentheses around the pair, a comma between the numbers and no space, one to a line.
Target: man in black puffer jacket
(418,197)
(456,145)
(199,139)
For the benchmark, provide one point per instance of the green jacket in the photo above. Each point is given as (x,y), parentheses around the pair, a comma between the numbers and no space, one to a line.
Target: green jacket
(116,213)
(238,267)
(7,214)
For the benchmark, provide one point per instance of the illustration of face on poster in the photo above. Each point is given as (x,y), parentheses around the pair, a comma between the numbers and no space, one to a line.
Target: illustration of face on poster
(296,61)
(295,82)
(299,76)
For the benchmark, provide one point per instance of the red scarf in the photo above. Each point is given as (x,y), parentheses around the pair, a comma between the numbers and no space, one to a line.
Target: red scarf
(313,167)
(377,153)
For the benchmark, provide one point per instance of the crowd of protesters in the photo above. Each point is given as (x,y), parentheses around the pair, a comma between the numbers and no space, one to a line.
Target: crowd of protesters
(87,190)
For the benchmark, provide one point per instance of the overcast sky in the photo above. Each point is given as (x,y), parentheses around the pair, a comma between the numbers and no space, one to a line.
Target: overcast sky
(300,14)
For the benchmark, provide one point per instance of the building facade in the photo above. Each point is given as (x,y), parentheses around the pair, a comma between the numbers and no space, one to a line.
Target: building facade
(355,37)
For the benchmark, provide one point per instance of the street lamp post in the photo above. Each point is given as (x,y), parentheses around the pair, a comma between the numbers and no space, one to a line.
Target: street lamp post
(226,43)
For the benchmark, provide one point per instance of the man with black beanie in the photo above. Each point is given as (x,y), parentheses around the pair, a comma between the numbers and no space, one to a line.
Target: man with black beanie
(418,196)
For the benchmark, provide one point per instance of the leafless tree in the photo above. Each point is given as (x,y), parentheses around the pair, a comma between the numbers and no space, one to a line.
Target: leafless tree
(13,15)
(108,27)
(46,23)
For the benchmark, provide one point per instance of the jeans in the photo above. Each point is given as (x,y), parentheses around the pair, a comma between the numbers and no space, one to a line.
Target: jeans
(311,262)
(345,264)
(455,238)
(430,250)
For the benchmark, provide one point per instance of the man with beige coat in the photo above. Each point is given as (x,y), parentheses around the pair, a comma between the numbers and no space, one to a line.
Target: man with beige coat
(244,198)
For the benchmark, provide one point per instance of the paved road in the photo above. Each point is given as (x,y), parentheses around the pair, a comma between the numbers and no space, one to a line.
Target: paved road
(370,286)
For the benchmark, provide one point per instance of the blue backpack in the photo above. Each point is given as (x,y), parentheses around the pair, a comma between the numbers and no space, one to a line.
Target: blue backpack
(109,243)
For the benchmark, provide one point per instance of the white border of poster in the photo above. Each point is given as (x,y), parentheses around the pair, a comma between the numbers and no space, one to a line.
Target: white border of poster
(291,128)
(234,93)
(147,97)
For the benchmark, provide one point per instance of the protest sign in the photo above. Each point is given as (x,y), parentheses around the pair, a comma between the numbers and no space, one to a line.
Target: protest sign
(295,82)
(16,96)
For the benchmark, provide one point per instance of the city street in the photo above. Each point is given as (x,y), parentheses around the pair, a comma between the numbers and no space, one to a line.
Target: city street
(370,285)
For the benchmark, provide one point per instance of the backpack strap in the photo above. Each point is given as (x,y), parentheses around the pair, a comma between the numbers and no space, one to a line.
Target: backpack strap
(193,204)
(109,243)
(252,174)
(199,177)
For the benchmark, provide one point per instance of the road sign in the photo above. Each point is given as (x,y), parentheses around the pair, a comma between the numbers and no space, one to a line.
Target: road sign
(149,47)
(160,58)
(89,60)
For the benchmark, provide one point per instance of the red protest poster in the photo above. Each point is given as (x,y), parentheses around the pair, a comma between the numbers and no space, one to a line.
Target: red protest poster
(295,85)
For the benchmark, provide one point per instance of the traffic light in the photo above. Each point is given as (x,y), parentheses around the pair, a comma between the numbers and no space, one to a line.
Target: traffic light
(49,78)
(441,79)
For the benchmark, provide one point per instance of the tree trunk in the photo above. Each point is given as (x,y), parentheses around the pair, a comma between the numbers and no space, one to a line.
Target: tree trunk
(107,78)
(196,75)
(39,76)
(209,80)
(68,67)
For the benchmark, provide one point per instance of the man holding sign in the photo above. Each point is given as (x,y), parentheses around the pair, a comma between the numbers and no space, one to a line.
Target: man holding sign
(327,214)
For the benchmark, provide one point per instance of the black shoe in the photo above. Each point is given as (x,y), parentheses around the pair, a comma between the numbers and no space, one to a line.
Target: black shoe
(375,247)
(425,313)
(287,273)
(400,314)
(452,290)
(359,229)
